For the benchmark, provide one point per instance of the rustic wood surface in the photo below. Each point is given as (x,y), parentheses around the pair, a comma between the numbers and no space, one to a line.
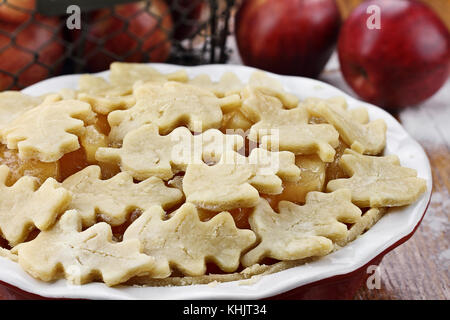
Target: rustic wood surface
(419,269)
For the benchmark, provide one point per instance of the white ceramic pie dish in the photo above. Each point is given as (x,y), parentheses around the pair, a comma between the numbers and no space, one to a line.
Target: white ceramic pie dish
(391,230)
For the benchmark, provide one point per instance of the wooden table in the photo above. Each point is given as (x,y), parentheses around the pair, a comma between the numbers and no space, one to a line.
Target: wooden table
(419,269)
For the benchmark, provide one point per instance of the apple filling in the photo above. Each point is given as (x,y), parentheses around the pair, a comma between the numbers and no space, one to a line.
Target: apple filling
(312,178)
(19,168)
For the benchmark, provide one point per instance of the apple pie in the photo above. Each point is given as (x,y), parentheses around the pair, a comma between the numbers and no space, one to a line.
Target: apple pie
(161,179)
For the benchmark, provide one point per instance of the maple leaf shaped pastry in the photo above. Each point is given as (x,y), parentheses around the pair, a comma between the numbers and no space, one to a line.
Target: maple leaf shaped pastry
(84,256)
(360,114)
(25,205)
(66,94)
(228,84)
(185,242)
(367,138)
(272,87)
(241,179)
(106,97)
(378,181)
(287,130)
(103,96)
(298,232)
(169,105)
(115,198)
(145,153)
(48,131)
(124,74)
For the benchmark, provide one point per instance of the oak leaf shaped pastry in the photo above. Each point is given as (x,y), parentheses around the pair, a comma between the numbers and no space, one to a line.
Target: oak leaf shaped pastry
(270,86)
(228,84)
(103,96)
(339,103)
(114,199)
(48,131)
(235,119)
(287,130)
(169,105)
(26,205)
(106,97)
(367,138)
(123,74)
(298,232)
(241,179)
(378,181)
(146,153)
(84,256)
(185,242)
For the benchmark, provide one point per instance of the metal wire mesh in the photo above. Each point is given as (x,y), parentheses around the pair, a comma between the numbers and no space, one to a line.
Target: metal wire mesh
(35,46)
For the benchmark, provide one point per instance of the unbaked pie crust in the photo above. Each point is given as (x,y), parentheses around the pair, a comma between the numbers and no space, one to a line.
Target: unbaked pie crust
(161,180)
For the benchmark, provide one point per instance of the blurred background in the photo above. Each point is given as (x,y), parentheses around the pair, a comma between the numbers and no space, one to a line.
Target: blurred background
(43,38)
(36,43)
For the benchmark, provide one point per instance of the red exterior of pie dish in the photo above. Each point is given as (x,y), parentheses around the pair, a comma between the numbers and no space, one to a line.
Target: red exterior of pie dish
(339,287)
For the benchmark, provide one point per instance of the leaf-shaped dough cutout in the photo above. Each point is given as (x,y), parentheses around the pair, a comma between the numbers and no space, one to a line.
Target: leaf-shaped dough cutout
(241,179)
(367,138)
(48,131)
(169,105)
(146,153)
(339,103)
(123,74)
(228,84)
(272,87)
(115,198)
(25,205)
(298,232)
(103,96)
(84,256)
(187,243)
(378,181)
(287,130)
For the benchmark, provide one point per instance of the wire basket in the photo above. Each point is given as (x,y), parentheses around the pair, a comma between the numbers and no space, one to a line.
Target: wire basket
(44,38)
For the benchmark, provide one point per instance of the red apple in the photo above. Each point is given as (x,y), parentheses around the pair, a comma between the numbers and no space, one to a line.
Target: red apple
(186,16)
(135,32)
(16,11)
(293,37)
(403,62)
(36,53)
